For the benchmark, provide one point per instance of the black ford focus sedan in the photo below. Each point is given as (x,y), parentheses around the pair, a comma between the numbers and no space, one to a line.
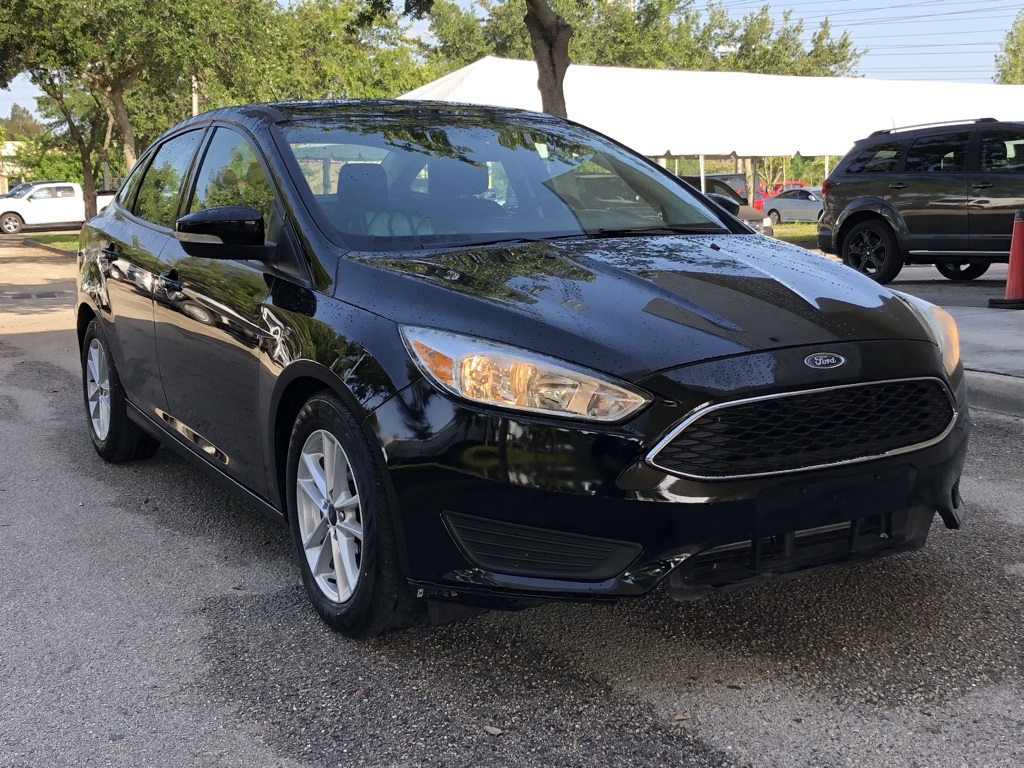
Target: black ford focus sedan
(486,358)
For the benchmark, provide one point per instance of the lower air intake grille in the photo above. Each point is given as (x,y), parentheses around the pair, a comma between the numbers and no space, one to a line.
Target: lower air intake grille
(791,432)
(527,551)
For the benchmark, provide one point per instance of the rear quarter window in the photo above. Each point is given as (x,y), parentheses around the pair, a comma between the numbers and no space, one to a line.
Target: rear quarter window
(877,158)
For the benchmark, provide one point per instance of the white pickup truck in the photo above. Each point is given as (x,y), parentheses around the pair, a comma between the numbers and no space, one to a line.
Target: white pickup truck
(45,203)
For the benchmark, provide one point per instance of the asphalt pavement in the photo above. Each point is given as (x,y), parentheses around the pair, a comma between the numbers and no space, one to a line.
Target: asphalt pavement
(151,619)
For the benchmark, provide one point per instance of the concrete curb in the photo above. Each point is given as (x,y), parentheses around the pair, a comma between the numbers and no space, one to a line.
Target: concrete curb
(995,392)
(51,248)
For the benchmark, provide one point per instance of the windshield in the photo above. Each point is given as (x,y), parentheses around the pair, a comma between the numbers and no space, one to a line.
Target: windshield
(387,182)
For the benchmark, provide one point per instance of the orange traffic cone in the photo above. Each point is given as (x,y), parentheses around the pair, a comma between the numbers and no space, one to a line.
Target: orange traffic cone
(1015,274)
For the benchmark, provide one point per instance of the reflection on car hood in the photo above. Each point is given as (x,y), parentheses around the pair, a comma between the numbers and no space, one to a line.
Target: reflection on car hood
(632,306)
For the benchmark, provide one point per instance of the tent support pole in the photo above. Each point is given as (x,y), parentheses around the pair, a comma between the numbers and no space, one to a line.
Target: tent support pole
(826,166)
(703,188)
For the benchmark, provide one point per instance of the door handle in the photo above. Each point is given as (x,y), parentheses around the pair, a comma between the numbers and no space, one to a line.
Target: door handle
(898,185)
(982,185)
(170,282)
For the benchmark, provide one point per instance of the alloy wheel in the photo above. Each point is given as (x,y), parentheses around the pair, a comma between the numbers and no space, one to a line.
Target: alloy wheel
(10,224)
(329,516)
(97,381)
(867,252)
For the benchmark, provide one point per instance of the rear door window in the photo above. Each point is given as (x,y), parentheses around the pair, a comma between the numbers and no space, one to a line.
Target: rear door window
(160,191)
(1002,151)
(939,153)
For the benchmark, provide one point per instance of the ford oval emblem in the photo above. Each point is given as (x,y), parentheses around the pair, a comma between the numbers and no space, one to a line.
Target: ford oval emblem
(824,360)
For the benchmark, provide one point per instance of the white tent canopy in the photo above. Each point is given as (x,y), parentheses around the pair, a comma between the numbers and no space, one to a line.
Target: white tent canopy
(661,112)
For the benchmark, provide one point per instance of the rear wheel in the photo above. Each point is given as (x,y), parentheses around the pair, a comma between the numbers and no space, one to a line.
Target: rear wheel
(115,437)
(961,270)
(870,248)
(774,216)
(342,525)
(11,223)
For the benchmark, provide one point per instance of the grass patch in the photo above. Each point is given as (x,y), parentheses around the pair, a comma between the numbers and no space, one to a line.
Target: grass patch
(804,234)
(68,242)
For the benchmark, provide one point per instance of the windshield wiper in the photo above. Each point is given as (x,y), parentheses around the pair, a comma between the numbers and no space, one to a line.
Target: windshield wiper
(660,229)
(510,240)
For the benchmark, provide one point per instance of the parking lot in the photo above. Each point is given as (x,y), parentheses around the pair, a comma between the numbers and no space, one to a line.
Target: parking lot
(152,619)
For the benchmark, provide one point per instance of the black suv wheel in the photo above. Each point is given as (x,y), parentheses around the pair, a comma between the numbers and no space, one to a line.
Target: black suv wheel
(961,270)
(870,248)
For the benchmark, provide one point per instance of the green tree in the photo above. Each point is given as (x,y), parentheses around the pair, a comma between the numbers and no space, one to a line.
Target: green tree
(79,124)
(106,46)
(21,124)
(1010,61)
(656,34)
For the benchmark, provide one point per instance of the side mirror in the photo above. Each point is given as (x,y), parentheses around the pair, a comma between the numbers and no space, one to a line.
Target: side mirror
(726,202)
(222,232)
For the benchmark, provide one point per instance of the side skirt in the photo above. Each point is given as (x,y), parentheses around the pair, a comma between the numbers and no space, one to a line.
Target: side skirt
(176,444)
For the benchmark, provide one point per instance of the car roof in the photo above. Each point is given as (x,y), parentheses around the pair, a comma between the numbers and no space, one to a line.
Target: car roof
(925,128)
(291,111)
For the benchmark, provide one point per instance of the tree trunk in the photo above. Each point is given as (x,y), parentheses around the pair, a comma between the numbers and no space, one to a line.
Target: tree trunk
(131,153)
(52,89)
(549,38)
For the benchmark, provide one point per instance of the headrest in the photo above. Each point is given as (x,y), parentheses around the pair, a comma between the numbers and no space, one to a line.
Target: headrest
(362,181)
(455,178)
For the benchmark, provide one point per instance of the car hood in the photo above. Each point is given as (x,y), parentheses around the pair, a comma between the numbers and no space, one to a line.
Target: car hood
(632,306)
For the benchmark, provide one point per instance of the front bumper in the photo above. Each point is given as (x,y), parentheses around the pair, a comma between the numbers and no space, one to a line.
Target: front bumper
(492,507)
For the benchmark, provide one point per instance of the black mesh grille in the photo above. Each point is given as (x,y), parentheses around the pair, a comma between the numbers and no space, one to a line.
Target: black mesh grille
(810,429)
(509,548)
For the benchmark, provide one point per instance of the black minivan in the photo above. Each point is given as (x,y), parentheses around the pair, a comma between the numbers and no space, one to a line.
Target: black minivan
(941,194)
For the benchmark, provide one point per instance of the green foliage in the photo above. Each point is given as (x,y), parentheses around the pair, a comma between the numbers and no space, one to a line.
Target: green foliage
(20,125)
(46,158)
(319,51)
(659,34)
(1010,61)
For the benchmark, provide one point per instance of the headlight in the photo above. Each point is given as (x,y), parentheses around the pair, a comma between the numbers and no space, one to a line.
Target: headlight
(941,327)
(493,374)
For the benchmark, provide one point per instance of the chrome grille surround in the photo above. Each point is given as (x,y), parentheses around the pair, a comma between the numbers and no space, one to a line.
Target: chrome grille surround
(705,409)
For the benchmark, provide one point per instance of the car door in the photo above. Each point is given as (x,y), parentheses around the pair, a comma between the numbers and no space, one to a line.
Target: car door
(997,189)
(209,320)
(41,206)
(68,205)
(931,192)
(786,204)
(131,238)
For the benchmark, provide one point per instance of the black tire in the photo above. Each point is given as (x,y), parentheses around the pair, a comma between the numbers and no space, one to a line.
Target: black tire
(870,248)
(122,440)
(11,223)
(961,270)
(381,599)
(774,216)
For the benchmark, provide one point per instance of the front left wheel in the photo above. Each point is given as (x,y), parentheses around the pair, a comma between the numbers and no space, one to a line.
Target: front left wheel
(11,223)
(342,524)
(774,216)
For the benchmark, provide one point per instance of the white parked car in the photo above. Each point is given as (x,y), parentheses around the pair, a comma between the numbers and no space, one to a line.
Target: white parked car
(50,202)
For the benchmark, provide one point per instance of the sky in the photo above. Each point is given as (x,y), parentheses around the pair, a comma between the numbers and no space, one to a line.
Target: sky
(906,39)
